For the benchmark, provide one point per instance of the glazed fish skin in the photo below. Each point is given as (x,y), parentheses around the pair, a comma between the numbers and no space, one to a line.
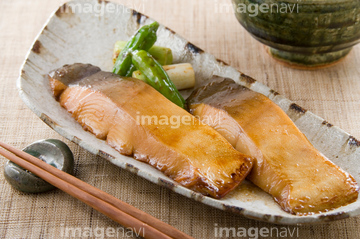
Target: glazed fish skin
(60,78)
(299,177)
(110,106)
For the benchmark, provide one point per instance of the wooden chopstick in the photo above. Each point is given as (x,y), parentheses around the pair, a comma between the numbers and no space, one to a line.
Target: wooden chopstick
(121,212)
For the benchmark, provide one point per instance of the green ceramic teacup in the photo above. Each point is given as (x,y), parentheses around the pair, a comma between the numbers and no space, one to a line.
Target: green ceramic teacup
(302,33)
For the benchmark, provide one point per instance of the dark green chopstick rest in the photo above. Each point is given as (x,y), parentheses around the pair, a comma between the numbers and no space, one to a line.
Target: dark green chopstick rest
(51,151)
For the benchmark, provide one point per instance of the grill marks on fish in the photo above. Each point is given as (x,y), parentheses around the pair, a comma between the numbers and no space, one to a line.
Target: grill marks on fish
(109,106)
(299,177)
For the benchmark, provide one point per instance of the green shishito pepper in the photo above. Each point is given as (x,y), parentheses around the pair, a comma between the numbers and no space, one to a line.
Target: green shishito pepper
(143,39)
(156,76)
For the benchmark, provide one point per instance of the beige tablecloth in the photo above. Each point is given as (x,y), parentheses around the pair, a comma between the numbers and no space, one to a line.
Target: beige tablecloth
(331,93)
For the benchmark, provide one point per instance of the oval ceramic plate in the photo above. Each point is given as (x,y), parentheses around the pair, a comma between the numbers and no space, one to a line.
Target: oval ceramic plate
(85,32)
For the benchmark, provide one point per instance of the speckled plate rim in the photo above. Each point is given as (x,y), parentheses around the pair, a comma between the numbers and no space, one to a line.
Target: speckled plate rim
(336,144)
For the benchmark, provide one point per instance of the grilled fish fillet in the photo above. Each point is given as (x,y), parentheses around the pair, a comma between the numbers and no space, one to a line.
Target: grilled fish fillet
(138,121)
(299,177)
